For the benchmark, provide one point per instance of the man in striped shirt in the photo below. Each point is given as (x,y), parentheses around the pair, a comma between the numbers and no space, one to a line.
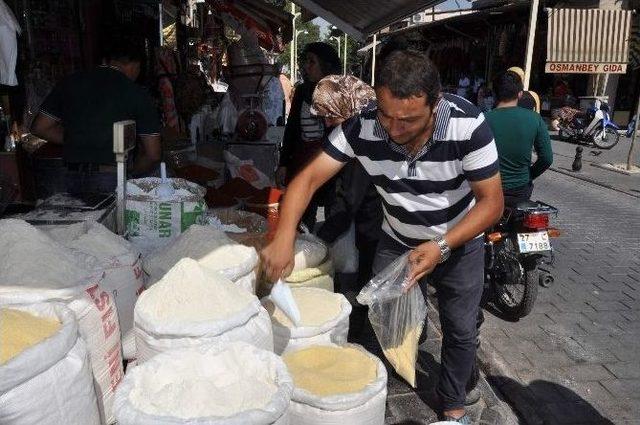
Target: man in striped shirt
(434,162)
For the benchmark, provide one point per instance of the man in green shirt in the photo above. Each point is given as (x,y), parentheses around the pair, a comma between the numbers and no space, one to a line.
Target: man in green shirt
(79,114)
(517,132)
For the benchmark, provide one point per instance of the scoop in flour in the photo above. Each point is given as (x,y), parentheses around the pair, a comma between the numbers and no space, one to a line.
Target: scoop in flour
(165,189)
(283,298)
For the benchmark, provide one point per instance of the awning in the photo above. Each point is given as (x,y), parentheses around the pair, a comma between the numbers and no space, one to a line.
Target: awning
(588,41)
(360,18)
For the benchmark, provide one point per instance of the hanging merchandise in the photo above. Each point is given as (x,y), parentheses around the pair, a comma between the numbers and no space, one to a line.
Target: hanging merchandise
(167,69)
(227,115)
(9,30)
(273,99)
(49,383)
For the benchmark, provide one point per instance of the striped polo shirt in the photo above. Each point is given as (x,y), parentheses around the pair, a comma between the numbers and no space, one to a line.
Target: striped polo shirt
(426,194)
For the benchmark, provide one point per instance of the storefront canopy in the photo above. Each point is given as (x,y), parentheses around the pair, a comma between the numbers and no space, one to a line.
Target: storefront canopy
(361,18)
(588,41)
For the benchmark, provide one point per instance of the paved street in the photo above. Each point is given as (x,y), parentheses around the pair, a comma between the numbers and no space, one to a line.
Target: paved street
(576,358)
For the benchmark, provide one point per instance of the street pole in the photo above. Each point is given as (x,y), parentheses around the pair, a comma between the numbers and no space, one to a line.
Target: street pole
(292,46)
(161,24)
(344,57)
(337,39)
(373,60)
(298,32)
(633,139)
(533,21)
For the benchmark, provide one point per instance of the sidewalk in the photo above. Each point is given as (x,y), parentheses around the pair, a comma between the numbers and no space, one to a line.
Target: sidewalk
(564,154)
(409,406)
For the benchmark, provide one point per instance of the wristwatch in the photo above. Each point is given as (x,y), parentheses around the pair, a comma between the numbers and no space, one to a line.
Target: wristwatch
(445,250)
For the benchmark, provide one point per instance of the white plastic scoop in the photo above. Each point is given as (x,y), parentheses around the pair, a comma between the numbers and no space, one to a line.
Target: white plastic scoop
(164,189)
(283,299)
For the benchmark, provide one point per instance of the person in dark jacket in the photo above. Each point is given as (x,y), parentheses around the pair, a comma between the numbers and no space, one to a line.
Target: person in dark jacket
(304,132)
(336,99)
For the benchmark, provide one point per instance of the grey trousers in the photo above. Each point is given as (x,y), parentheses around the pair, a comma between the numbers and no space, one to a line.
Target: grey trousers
(459,284)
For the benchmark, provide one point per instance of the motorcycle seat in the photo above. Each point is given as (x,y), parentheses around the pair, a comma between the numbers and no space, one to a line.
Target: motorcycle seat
(526,205)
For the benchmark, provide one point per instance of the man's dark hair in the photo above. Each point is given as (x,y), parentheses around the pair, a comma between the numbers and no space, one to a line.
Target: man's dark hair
(507,86)
(408,73)
(125,49)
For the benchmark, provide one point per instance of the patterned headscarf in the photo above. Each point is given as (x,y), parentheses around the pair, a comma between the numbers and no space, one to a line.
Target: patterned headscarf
(338,96)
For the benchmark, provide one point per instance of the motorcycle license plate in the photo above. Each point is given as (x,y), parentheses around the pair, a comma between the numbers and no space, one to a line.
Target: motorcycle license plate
(533,242)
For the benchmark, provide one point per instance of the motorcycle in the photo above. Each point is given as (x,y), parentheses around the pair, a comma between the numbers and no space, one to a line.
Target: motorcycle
(516,250)
(596,128)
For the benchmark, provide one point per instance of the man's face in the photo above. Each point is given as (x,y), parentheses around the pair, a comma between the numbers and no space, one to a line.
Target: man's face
(405,120)
(312,67)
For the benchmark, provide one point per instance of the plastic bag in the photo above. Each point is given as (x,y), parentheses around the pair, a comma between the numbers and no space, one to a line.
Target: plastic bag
(227,115)
(397,317)
(246,170)
(344,252)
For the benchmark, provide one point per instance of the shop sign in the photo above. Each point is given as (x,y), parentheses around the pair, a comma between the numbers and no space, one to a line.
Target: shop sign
(585,68)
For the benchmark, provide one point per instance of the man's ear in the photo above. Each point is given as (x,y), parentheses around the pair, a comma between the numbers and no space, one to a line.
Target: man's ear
(520,94)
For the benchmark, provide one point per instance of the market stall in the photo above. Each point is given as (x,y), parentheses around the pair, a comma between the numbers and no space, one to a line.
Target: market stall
(147,304)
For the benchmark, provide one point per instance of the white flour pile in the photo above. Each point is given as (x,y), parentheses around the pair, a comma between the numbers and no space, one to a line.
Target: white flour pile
(145,190)
(91,238)
(317,307)
(231,228)
(196,385)
(308,254)
(33,259)
(189,293)
(210,246)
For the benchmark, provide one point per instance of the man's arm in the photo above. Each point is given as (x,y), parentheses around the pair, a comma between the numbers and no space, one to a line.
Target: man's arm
(48,129)
(148,157)
(486,212)
(277,257)
(542,146)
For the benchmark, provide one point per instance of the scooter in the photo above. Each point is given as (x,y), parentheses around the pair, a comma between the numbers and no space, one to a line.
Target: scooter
(515,251)
(596,128)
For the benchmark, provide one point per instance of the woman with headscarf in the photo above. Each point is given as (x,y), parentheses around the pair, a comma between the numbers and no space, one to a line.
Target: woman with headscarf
(338,98)
(304,131)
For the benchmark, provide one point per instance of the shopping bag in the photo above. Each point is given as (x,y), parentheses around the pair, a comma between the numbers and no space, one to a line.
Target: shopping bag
(397,315)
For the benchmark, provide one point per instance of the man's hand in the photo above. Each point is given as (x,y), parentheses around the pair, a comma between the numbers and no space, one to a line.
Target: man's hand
(277,259)
(422,261)
(48,129)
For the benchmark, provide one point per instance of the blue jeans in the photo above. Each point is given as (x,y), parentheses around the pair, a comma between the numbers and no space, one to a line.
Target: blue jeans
(459,283)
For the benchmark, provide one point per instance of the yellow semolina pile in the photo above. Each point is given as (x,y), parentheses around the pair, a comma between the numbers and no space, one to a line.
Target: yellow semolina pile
(20,330)
(327,370)
(403,356)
